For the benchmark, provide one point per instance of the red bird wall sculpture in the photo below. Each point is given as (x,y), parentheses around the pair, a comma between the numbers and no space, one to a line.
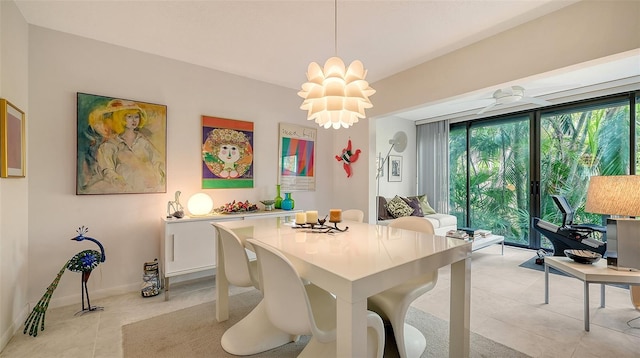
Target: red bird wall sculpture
(347,157)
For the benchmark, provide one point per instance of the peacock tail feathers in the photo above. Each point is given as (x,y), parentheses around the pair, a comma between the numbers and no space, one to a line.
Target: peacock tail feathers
(37,315)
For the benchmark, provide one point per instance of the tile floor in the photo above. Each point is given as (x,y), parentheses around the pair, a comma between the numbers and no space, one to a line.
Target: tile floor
(507,306)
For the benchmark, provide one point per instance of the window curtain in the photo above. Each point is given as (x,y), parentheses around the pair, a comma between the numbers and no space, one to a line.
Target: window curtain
(432,141)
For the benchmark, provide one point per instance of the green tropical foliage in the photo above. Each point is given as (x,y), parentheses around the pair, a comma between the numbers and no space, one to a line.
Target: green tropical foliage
(574,145)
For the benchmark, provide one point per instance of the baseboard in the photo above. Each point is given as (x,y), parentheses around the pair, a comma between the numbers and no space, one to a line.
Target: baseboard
(16,325)
(113,291)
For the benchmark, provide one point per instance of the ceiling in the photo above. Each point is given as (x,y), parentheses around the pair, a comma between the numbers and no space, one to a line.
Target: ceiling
(274,41)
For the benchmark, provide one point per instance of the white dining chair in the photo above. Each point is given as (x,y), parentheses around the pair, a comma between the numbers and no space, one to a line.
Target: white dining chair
(353,215)
(254,333)
(392,304)
(301,309)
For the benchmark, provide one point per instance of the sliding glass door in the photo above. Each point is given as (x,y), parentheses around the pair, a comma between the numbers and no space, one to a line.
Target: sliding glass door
(498,182)
(575,144)
(503,170)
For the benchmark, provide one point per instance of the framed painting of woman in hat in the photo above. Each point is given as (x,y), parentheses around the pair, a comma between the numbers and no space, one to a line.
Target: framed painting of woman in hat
(121,146)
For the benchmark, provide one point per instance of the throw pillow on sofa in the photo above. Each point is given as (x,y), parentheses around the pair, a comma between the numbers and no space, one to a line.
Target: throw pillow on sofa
(424,204)
(414,203)
(398,207)
(383,214)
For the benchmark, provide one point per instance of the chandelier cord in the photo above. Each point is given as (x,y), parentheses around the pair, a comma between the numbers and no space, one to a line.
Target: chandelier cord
(335,24)
(335,95)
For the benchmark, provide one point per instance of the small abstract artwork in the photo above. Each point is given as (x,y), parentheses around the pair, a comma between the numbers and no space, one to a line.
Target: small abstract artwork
(227,153)
(395,168)
(296,167)
(12,141)
(121,146)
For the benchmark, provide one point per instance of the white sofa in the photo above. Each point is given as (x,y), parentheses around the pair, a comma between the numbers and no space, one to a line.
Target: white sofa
(441,222)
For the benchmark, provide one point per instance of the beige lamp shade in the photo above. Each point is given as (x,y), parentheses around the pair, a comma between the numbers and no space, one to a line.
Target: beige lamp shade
(614,195)
(335,96)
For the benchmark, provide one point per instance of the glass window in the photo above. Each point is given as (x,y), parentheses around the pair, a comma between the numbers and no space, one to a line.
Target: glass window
(574,145)
(495,183)
(499,178)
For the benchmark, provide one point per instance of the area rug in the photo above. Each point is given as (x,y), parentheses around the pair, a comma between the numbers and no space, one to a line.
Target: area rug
(531,264)
(194,333)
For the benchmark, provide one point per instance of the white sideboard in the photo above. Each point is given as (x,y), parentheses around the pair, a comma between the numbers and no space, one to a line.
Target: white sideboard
(187,245)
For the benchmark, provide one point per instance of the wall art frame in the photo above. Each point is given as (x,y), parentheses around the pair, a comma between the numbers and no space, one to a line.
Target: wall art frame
(13,147)
(227,153)
(121,146)
(296,159)
(395,168)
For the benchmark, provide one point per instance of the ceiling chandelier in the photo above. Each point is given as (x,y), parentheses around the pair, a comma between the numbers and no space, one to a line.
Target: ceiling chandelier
(335,96)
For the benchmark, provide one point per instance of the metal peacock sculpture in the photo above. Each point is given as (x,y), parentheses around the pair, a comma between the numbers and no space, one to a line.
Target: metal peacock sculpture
(83,262)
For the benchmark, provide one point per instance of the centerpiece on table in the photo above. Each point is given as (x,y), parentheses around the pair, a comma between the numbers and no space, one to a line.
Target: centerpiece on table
(237,207)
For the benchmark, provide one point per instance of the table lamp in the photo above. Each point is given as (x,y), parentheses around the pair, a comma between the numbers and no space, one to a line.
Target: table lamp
(200,204)
(618,195)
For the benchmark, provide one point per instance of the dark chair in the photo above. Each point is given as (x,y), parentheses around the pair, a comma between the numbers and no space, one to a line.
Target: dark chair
(570,235)
(568,213)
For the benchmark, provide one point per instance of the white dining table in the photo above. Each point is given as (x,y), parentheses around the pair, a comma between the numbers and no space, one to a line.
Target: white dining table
(360,262)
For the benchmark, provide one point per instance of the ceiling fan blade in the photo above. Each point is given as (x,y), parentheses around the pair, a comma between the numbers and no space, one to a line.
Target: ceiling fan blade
(534,100)
(487,108)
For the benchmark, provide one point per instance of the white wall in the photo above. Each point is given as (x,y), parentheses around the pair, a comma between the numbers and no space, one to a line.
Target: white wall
(386,129)
(578,33)
(14,217)
(129,225)
(351,192)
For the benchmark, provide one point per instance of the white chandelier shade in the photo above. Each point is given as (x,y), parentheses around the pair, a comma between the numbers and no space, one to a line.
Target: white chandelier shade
(335,96)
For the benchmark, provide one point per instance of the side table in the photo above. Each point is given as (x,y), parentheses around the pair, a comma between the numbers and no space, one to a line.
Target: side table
(587,273)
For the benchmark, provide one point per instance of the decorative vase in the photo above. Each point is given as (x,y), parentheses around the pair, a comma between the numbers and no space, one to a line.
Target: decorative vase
(288,203)
(278,199)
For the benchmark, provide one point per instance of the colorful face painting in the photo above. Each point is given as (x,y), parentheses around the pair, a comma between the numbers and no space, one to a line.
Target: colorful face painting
(227,153)
(121,146)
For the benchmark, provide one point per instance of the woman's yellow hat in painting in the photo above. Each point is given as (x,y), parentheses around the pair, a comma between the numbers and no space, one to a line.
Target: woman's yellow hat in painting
(99,118)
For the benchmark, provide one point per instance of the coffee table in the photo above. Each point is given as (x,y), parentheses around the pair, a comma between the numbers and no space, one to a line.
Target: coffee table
(482,242)
(587,273)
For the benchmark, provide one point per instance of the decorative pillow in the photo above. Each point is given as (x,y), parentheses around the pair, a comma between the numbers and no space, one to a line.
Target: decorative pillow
(383,213)
(424,204)
(414,203)
(398,207)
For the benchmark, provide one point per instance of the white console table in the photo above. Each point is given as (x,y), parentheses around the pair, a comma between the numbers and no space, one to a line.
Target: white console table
(187,245)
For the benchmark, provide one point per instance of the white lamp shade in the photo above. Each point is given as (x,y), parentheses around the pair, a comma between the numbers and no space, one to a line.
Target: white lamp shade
(200,204)
(336,96)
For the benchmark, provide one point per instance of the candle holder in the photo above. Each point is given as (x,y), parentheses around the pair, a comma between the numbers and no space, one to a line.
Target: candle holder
(335,227)
(322,221)
(320,227)
(308,226)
